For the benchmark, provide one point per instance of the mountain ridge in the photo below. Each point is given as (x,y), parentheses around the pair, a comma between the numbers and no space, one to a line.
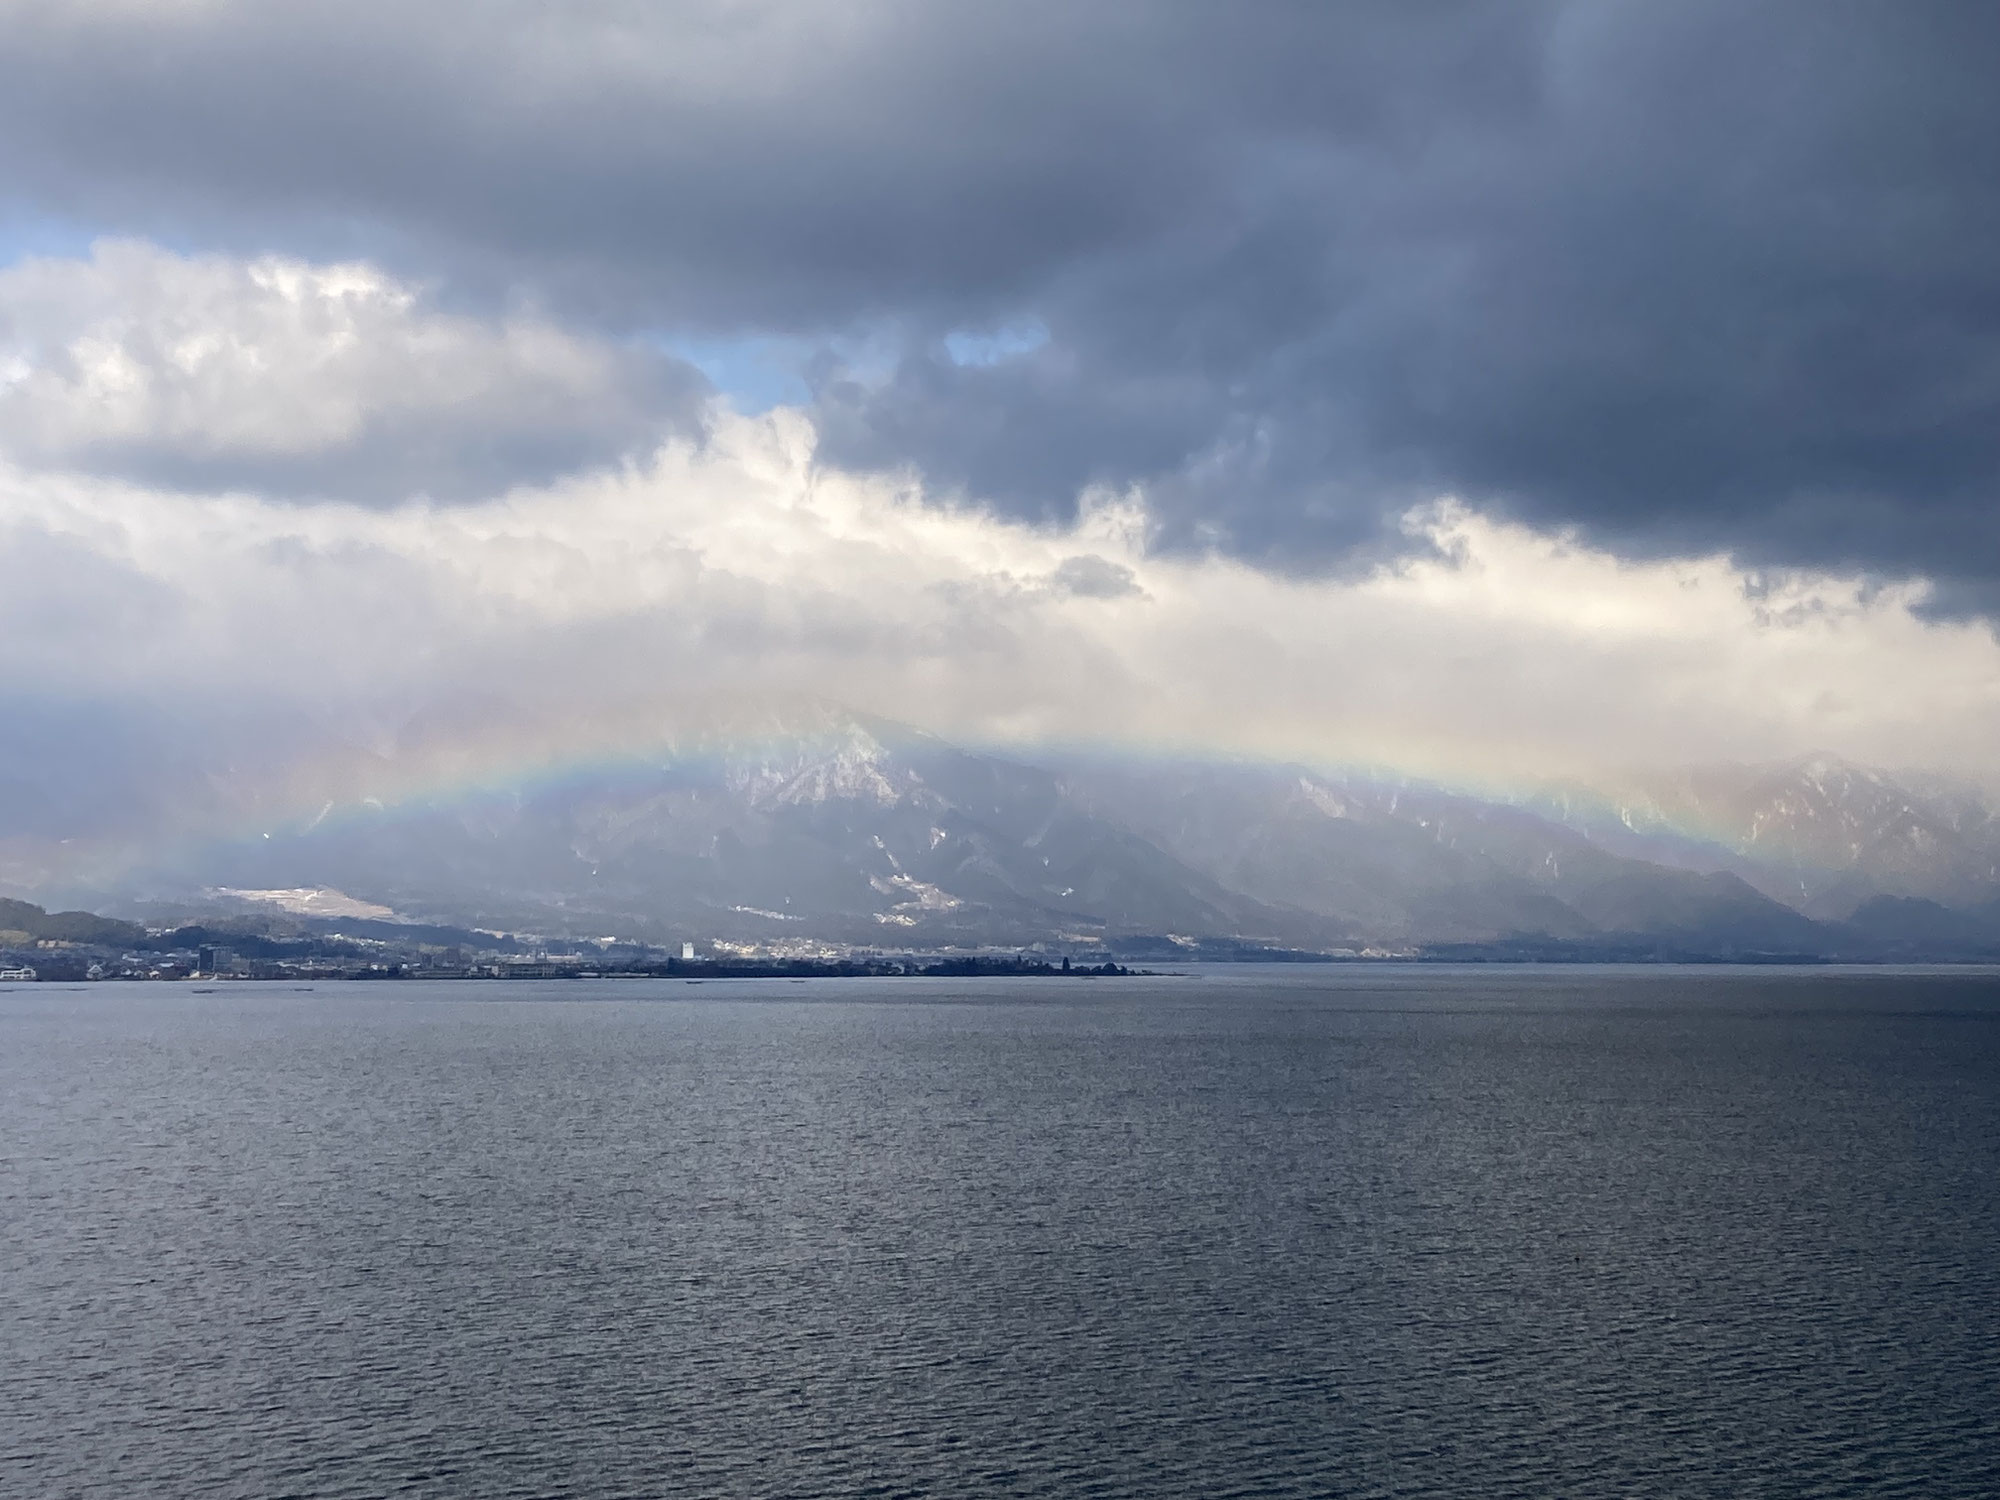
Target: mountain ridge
(835,828)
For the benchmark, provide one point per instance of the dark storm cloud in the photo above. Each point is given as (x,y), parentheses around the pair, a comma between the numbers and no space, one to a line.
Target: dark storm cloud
(1725,284)
(1682,274)
(716,161)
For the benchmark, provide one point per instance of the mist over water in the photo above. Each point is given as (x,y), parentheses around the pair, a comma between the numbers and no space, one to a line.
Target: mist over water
(1356,1231)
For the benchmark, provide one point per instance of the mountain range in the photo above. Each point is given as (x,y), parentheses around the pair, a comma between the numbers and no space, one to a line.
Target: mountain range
(837,830)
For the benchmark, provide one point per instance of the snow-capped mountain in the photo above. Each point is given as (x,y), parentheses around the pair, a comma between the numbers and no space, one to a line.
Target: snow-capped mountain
(1818,833)
(1408,863)
(838,829)
(830,828)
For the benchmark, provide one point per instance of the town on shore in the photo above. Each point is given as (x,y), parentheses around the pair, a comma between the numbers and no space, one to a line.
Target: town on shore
(38,946)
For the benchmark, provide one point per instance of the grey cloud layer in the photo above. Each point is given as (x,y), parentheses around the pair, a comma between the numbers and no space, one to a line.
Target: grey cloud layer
(1684,274)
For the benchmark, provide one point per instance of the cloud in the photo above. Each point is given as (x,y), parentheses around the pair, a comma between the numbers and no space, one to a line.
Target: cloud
(1116,357)
(1092,577)
(1711,286)
(295,655)
(308,380)
(1686,275)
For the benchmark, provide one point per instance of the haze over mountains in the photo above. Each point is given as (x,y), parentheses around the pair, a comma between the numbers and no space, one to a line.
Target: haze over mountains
(839,830)
(394,397)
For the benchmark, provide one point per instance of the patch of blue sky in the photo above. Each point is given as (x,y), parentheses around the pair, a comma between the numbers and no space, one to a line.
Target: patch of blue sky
(992,346)
(756,372)
(753,373)
(26,234)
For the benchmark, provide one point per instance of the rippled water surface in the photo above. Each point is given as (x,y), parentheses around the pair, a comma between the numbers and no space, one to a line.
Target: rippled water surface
(1358,1231)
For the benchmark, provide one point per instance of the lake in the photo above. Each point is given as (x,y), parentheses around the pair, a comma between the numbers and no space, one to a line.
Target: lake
(1362,1230)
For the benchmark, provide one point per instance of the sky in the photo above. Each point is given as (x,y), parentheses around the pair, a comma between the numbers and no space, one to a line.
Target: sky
(396,396)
